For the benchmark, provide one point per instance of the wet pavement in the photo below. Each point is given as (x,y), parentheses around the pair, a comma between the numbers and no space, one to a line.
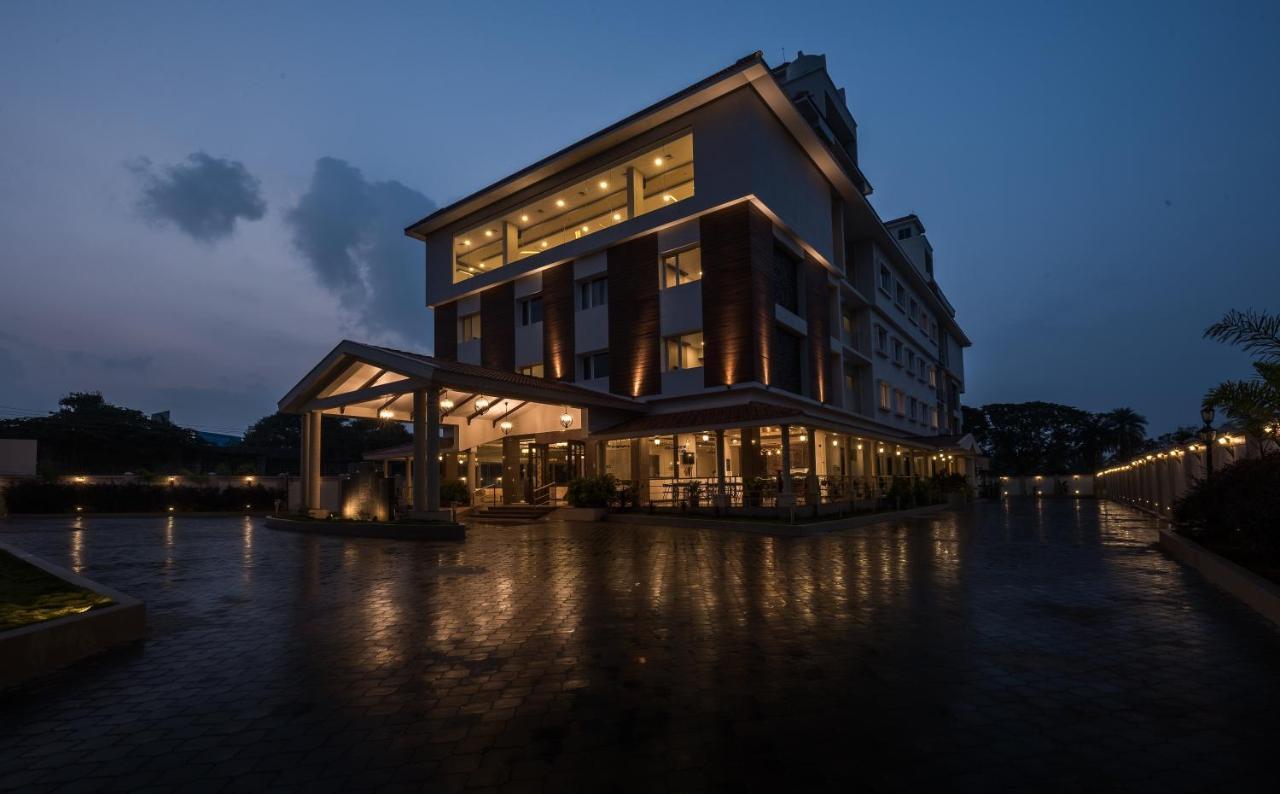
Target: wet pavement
(1042,646)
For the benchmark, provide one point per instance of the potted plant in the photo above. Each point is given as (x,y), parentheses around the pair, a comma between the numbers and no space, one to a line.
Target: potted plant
(693,492)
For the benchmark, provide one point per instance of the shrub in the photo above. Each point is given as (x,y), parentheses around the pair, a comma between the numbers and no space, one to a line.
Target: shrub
(1237,507)
(454,492)
(595,491)
(34,496)
(900,491)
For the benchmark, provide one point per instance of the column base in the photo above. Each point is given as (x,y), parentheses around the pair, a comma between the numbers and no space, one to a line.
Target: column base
(317,512)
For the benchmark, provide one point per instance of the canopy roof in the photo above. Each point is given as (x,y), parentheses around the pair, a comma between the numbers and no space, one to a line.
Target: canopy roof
(374,382)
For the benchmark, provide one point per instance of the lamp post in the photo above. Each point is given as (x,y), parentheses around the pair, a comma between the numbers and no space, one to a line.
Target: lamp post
(1206,435)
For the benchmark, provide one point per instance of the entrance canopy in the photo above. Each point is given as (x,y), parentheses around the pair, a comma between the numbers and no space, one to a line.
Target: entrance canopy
(372,382)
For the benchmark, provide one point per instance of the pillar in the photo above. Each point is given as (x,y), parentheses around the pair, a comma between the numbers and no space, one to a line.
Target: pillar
(785,497)
(722,497)
(304,464)
(811,484)
(510,470)
(313,466)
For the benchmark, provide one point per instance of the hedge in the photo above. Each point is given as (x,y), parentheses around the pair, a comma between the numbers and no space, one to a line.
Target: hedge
(33,496)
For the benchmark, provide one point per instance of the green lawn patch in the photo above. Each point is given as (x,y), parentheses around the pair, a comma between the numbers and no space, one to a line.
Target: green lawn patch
(29,595)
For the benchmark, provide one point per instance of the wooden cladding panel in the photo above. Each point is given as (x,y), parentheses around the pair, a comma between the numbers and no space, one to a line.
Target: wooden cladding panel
(446,345)
(737,295)
(818,309)
(498,327)
(557,322)
(634,330)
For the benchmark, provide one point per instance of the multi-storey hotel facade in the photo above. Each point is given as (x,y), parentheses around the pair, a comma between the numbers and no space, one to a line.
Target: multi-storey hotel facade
(699,293)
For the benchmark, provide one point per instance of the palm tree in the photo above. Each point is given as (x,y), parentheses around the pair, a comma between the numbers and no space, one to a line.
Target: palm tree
(1254,403)
(1128,431)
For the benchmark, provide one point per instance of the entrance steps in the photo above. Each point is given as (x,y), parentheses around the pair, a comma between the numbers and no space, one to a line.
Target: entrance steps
(511,514)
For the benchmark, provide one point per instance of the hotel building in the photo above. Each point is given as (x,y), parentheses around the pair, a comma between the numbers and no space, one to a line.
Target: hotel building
(701,292)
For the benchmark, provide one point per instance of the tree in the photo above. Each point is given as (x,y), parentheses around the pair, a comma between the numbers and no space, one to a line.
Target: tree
(1033,437)
(342,440)
(1128,431)
(1253,403)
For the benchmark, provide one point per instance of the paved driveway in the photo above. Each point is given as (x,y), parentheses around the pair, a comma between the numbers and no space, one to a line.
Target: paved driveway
(1035,646)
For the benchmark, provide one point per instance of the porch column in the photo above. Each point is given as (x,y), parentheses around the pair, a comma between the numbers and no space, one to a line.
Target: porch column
(785,497)
(640,469)
(426,453)
(722,498)
(304,464)
(510,469)
(313,466)
(811,484)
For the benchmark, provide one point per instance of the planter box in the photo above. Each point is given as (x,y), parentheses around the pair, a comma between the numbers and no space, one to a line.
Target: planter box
(580,513)
(48,645)
(1259,593)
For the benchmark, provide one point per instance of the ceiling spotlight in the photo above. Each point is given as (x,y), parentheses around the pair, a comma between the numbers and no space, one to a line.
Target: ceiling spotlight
(706,437)
(466,242)
(585,229)
(543,244)
(524,218)
(657,442)
(657,161)
(604,185)
(488,232)
(617,216)
(559,202)
(668,198)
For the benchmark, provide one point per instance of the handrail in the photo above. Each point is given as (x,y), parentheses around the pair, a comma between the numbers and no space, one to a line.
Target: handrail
(545,494)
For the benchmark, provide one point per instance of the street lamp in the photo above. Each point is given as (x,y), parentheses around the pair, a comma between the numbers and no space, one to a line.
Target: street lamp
(1206,434)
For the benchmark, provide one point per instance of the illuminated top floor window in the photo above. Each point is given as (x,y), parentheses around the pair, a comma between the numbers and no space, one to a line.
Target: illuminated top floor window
(659,176)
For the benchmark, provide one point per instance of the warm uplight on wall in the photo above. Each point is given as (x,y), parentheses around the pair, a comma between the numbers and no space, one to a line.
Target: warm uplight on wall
(386,413)
(880,450)
(248,481)
(803,437)
(80,479)
(835,442)
(706,437)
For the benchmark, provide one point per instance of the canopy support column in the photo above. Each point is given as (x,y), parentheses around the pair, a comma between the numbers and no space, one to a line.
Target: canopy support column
(785,497)
(426,454)
(313,421)
(722,497)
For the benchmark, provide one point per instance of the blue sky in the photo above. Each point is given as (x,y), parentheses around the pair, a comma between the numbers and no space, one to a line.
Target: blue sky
(1098,179)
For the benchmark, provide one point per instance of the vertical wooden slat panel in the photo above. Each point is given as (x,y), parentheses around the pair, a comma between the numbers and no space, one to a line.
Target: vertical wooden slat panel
(498,327)
(818,309)
(557,322)
(446,340)
(737,295)
(634,332)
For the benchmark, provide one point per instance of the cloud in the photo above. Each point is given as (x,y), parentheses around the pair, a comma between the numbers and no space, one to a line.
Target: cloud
(203,196)
(10,367)
(350,231)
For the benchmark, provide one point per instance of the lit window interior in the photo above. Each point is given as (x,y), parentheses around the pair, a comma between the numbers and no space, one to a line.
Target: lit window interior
(684,351)
(660,176)
(681,267)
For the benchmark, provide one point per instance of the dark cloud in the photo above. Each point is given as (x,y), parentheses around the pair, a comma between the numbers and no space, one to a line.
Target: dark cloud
(10,367)
(351,232)
(203,196)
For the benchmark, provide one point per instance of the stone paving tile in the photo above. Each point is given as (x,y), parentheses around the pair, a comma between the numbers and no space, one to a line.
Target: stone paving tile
(1039,646)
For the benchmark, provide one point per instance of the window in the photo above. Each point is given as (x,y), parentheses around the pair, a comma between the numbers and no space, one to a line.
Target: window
(915,310)
(913,409)
(897,351)
(595,365)
(899,402)
(884,395)
(643,183)
(593,293)
(684,351)
(901,295)
(933,377)
(681,267)
(886,280)
(933,329)
(904,233)
(882,340)
(933,417)
(786,360)
(531,310)
(470,327)
(911,362)
(786,278)
(533,370)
